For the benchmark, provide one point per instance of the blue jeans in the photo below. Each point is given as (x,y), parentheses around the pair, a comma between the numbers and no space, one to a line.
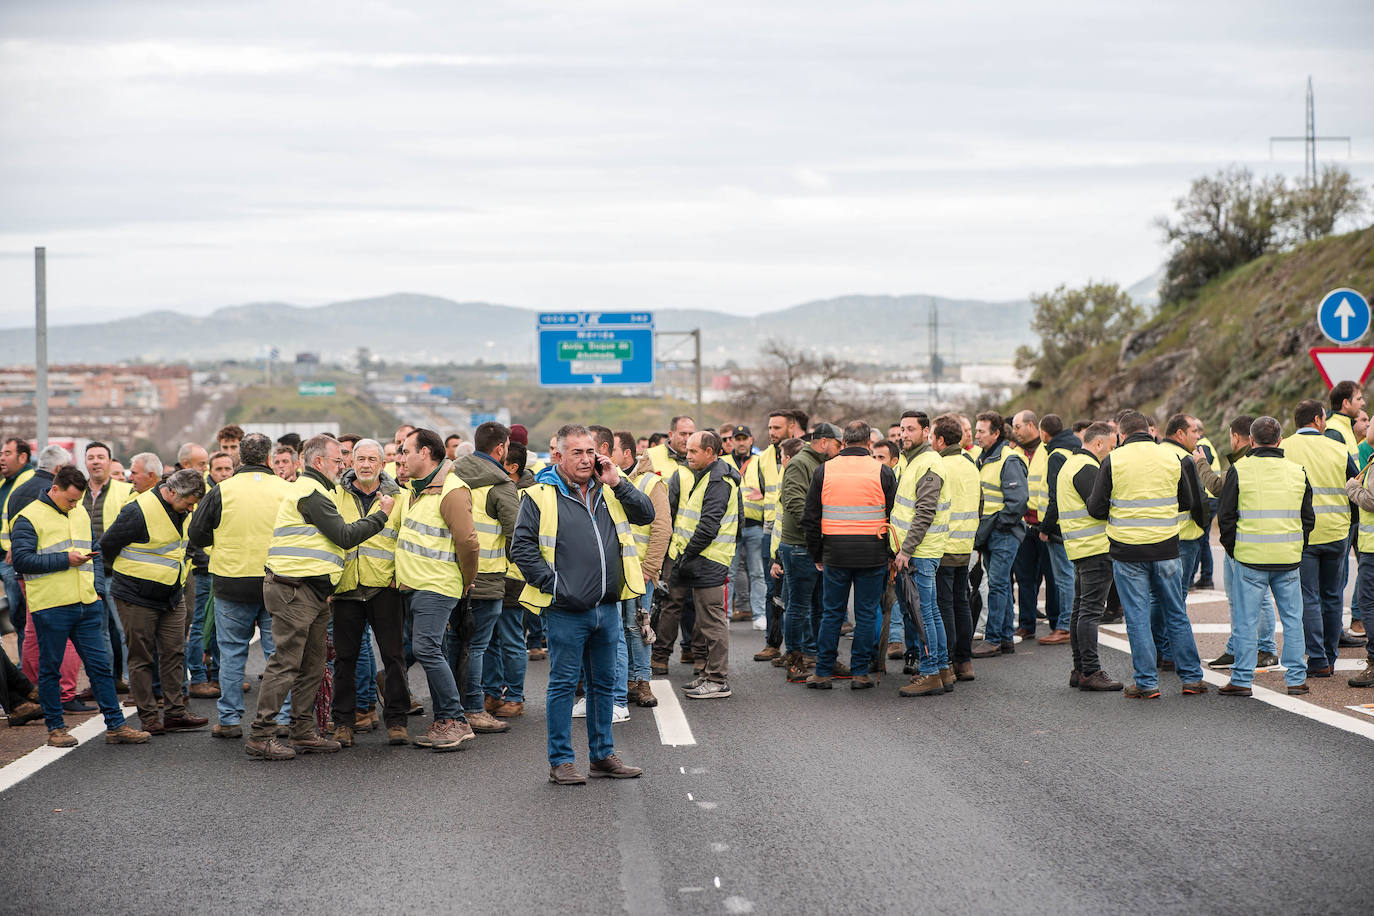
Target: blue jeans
(1255,585)
(79,623)
(620,694)
(1321,601)
(196,669)
(1061,568)
(637,651)
(1266,611)
(1137,584)
(484,614)
(234,622)
(936,656)
(867,582)
(16,599)
(503,668)
(802,577)
(576,640)
(753,545)
(365,679)
(430,613)
(1001,553)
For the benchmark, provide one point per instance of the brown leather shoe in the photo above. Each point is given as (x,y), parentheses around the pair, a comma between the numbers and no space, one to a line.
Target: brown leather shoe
(986,649)
(923,685)
(507,709)
(863,682)
(895,650)
(1055,638)
(840,671)
(739,616)
(60,737)
(565,774)
(365,720)
(613,768)
(1194,688)
(204,691)
(186,723)
(490,703)
(1235,690)
(538,655)
(344,735)
(397,734)
(227,731)
(947,677)
(25,712)
(1297,690)
(1025,632)
(818,682)
(1098,680)
(126,734)
(963,671)
(687,658)
(268,749)
(767,654)
(152,726)
(484,723)
(642,694)
(315,744)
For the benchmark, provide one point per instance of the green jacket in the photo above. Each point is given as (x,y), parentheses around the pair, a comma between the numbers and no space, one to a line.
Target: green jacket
(796,482)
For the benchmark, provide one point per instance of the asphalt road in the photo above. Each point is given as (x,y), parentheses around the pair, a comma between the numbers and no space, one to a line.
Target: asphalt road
(1013,794)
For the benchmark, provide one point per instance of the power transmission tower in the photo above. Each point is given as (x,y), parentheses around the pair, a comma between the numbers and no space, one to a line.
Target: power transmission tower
(1309,141)
(937,365)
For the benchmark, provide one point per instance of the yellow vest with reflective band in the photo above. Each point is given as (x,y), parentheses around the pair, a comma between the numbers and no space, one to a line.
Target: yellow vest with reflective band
(645,484)
(491,541)
(1341,424)
(762,474)
(5,522)
(1084,536)
(1037,480)
(372,563)
(545,497)
(161,558)
(248,512)
(1325,461)
(664,463)
(990,479)
(1365,542)
(904,506)
(961,475)
(1144,495)
(297,548)
(1269,530)
(1187,528)
(426,559)
(58,533)
(722,549)
(120,495)
(1215,461)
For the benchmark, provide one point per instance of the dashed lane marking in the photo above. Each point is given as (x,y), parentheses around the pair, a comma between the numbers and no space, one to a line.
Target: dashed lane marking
(673,729)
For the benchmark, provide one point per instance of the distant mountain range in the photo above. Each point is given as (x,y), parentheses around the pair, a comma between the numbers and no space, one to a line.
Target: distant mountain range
(426,329)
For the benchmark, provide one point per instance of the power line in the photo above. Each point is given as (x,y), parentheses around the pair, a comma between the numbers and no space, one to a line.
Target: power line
(1309,141)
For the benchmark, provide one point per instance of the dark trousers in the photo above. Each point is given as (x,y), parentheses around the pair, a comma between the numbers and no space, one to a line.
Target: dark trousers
(1092,580)
(157,644)
(385,612)
(1321,601)
(951,594)
(14,687)
(1031,567)
(774,606)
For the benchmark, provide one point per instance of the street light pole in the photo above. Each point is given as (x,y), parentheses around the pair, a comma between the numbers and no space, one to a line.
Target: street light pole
(40,337)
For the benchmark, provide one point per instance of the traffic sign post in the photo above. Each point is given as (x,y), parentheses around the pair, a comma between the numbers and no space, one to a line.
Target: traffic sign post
(315,389)
(1339,364)
(596,348)
(1343,316)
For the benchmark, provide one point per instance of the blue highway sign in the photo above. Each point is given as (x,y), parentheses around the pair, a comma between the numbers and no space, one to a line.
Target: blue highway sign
(596,348)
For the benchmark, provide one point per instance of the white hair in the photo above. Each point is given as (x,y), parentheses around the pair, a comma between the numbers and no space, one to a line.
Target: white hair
(150,463)
(369,443)
(53,457)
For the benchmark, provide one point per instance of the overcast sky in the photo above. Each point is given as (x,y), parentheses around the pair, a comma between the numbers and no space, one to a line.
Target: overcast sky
(634,153)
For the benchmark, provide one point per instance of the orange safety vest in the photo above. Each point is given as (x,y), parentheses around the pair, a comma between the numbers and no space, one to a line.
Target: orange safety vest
(852,499)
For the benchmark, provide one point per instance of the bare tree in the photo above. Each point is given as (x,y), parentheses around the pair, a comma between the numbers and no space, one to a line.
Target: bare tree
(791,376)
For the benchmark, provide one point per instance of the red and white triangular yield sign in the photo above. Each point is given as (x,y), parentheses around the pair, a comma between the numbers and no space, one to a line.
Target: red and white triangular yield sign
(1338,364)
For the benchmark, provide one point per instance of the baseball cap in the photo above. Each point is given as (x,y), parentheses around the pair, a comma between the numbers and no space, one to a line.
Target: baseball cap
(741,431)
(825,431)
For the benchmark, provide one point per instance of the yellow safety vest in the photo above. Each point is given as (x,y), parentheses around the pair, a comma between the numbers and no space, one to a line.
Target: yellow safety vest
(372,564)
(161,558)
(297,548)
(1188,529)
(990,480)
(491,542)
(763,474)
(664,463)
(19,480)
(1144,494)
(1325,460)
(426,558)
(1084,536)
(545,497)
(1269,530)
(722,549)
(645,484)
(248,512)
(904,507)
(975,452)
(1341,424)
(1037,480)
(961,476)
(58,533)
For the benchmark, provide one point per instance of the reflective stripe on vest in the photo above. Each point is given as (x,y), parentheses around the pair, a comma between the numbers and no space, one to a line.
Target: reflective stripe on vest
(1037,480)
(763,474)
(645,484)
(1142,472)
(297,548)
(964,495)
(372,563)
(852,498)
(426,559)
(1084,536)
(491,541)
(1269,527)
(58,533)
(249,502)
(545,497)
(161,558)
(1188,529)
(990,480)
(904,506)
(1325,461)
(722,548)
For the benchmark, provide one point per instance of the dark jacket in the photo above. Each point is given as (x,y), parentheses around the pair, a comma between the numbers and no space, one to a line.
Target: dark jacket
(24,554)
(1228,511)
(1049,519)
(320,510)
(1015,497)
(503,504)
(792,492)
(130,527)
(854,551)
(691,568)
(201,534)
(1100,504)
(386,485)
(511,598)
(586,561)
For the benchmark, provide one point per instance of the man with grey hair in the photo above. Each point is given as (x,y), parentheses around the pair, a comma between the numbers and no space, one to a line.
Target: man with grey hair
(194,456)
(145,470)
(145,550)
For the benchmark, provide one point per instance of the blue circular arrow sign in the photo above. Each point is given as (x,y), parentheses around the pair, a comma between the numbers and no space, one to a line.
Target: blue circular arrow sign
(1343,316)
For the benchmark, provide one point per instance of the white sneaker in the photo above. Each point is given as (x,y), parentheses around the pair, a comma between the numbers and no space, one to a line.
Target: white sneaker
(580,708)
(760,623)
(708,690)
(620,714)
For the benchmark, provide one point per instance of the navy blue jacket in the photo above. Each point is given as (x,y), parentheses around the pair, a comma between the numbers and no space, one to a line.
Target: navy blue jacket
(26,559)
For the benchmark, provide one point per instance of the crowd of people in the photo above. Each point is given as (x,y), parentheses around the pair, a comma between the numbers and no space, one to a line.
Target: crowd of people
(928,544)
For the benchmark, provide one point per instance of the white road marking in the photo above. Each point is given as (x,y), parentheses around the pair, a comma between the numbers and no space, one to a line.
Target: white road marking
(673,729)
(14,773)
(1273,698)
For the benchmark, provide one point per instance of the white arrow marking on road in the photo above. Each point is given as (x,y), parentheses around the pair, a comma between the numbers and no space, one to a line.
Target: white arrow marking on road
(1345,311)
(673,729)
